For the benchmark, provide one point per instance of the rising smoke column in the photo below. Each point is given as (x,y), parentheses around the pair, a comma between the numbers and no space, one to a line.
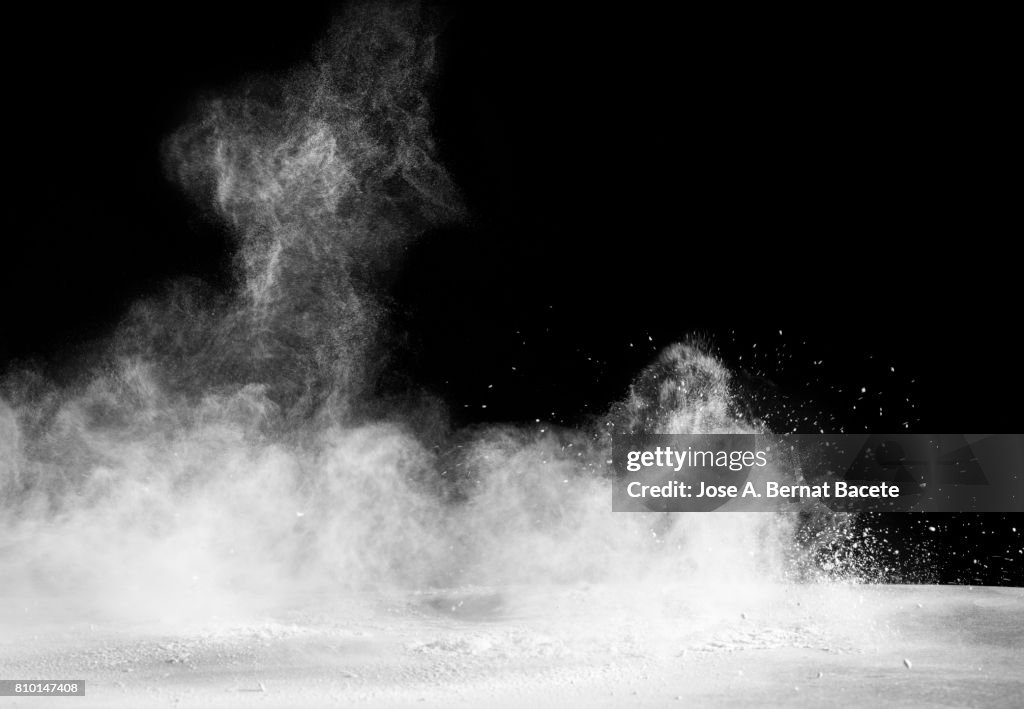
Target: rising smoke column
(216,445)
(323,177)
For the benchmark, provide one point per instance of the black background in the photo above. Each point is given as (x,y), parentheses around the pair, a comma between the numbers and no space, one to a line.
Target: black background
(632,177)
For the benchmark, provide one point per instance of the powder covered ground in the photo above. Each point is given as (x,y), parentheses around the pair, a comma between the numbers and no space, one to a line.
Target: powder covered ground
(812,645)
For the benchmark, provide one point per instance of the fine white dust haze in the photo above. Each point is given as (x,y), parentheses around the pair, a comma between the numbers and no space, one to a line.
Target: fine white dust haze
(227,454)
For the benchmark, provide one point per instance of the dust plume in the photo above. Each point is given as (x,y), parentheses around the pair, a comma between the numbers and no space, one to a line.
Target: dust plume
(227,453)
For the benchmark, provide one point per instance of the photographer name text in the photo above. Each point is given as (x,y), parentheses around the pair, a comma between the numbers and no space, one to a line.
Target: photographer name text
(769,489)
